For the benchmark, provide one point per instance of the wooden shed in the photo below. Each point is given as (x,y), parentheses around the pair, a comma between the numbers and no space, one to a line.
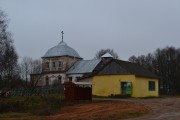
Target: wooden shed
(78,91)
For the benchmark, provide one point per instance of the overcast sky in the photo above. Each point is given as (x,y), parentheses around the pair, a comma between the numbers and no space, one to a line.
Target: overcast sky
(130,27)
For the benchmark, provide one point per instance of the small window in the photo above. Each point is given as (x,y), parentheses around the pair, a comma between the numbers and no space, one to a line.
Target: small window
(59,79)
(54,64)
(70,79)
(77,79)
(151,85)
(60,64)
(47,81)
(47,64)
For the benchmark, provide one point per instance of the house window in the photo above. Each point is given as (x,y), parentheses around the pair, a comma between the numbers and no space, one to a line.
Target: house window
(59,79)
(47,64)
(70,79)
(77,79)
(151,85)
(54,64)
(60,64)
(47,81)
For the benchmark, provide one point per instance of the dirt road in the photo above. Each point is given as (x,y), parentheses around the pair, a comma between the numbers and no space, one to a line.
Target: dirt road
(154,109)
(104,110)
(162,109)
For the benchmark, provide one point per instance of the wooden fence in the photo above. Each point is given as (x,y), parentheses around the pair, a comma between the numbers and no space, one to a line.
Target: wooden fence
(35,91)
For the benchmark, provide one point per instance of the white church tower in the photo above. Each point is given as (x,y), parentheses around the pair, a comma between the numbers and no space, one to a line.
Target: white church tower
(56,62)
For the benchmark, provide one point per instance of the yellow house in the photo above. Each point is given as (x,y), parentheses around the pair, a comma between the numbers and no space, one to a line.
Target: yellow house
(124,78)
(115,77)
(107,85)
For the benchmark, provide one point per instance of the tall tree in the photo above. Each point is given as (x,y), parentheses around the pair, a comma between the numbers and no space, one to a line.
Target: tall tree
(104,51)
(8,55)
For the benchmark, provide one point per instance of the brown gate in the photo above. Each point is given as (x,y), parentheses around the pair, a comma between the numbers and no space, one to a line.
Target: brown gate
(78,91)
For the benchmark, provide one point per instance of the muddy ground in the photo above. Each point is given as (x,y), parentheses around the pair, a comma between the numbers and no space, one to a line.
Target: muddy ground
(162,109)
(148,109)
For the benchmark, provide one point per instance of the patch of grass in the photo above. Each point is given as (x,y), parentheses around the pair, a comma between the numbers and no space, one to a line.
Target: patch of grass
(36,105)
(19,116)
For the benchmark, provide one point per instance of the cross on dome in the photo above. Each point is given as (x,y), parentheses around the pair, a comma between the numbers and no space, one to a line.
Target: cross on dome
(62,35)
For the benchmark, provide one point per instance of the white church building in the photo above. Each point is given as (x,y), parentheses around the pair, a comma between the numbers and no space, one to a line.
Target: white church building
(62,63)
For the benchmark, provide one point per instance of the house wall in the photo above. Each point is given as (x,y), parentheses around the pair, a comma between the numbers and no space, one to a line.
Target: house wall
(107,85)
(74,77)
(87,80)
(142,89)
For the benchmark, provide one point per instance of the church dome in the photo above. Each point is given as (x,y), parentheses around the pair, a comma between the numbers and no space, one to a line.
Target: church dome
(62,49)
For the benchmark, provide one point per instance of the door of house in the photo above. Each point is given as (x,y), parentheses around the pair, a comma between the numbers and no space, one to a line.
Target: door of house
(126,88)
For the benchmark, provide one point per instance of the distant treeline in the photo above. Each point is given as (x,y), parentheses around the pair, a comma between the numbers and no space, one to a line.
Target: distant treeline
(165,63)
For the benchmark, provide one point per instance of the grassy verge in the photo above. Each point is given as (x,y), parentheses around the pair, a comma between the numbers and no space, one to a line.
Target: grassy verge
(34,105)
(19,116)
(43,107)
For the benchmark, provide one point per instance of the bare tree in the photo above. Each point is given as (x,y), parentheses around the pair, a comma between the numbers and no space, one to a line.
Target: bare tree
(25,66)
(104,51)
(133,59)
(36,66)
(29,66)
(8,55)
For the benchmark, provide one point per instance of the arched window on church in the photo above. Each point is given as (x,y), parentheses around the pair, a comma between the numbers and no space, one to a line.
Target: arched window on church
(47,65)
(60,64)
(47,81)
(53,64)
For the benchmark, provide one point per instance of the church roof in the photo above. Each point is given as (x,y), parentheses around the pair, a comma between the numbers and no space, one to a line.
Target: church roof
(83,66)
(62,49)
